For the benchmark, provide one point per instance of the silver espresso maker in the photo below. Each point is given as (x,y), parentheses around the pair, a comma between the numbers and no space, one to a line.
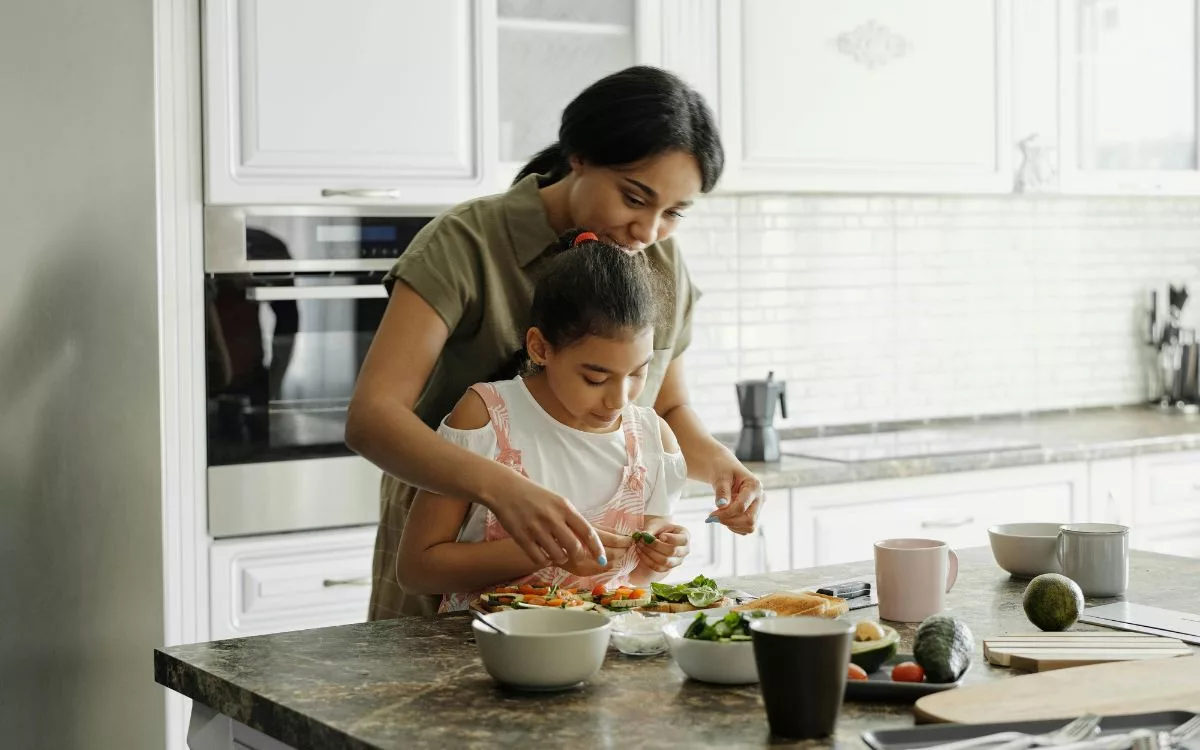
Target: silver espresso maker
(758,440)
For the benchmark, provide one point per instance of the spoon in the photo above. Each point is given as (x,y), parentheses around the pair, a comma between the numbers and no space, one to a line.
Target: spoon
(489,623)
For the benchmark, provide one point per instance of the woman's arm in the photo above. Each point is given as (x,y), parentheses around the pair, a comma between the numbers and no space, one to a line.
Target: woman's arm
(383,428)
(708,460)
(431,559)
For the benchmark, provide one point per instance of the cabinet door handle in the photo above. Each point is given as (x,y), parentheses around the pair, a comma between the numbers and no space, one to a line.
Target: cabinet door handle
(331,582)
(390,193)
(948,524)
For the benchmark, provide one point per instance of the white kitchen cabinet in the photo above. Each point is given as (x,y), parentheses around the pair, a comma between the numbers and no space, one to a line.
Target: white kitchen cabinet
(866,95)
(841,523)
(1128,101)
(383,101)
(1181,539)
(548,51)
(1166,508)
(1110,491)
(290,581)
(769,549)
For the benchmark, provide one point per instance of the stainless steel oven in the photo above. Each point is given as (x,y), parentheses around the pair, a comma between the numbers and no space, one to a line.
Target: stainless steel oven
(294,297)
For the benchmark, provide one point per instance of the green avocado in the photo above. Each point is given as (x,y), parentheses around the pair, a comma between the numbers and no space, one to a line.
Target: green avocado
(1052,601)
(871,655)
(943,647)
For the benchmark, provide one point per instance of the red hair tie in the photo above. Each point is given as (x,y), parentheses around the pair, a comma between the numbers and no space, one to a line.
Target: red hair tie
(584,237)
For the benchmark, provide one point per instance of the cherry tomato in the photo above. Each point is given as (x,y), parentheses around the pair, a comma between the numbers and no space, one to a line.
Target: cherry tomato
(857,673)
(599,590)
(908,671)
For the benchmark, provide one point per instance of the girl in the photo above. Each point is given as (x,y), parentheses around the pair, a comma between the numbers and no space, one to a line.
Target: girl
(570,425)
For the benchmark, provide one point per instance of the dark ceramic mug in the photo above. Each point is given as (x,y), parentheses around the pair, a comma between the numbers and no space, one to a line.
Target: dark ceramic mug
(802,664)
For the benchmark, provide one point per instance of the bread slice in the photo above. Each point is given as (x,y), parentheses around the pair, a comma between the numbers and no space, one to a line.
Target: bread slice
(684,606)
(806,603)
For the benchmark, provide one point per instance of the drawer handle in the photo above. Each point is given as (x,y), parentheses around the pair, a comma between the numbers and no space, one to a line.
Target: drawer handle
(331,582)
(948,524)
(361,193)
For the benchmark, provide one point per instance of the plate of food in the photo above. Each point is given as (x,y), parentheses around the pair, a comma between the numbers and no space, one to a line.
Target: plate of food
(878,671)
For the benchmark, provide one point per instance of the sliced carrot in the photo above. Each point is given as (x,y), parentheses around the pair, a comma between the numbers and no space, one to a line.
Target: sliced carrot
(507,590)
(638,594)
(541,590)
(606,601)
(599,590)
(554,603)
(525,588)
(536,600)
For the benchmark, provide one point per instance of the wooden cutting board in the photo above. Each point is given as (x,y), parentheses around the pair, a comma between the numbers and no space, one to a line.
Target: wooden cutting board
(1042,652)
(1126,687)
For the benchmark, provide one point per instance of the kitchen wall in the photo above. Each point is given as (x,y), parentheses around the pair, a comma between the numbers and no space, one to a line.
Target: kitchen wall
(896,308)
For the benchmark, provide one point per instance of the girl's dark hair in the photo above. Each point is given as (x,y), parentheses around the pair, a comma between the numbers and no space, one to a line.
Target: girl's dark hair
(631,115)
(595,289)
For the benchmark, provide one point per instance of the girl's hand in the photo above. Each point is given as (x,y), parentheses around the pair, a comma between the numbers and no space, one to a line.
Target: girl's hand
(739,494)
(616,547)
(670,546)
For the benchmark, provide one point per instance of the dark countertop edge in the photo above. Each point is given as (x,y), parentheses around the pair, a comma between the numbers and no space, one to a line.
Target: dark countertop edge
(314,733)
(817,472)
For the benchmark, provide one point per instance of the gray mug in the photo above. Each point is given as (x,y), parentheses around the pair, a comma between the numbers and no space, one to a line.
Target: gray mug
(1095,556)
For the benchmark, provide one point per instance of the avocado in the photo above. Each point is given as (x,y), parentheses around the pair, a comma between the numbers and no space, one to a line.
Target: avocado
(1052,601)
(943,647)
(871,655)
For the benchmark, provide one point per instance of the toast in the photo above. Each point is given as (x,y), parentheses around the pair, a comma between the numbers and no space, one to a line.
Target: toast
(803,603)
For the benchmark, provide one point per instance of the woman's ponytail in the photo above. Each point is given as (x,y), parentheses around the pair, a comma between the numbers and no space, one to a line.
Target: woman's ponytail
(549,161)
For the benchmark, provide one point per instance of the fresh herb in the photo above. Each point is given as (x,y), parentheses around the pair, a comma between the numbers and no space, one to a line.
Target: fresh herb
(643,536)
(701,591)
(734,626)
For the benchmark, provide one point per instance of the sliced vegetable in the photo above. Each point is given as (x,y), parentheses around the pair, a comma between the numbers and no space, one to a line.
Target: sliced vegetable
(734,626)
(701,591)
(643,536)
(856,672)
(908,671)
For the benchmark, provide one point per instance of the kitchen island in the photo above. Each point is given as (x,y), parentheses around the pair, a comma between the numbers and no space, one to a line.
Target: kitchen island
(418,683)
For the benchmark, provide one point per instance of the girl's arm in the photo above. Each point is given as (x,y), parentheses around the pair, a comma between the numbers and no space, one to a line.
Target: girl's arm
(382,427)
(431,559)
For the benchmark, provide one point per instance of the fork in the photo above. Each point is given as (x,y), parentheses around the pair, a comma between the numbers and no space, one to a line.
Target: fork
(1074,731)
(1183,732)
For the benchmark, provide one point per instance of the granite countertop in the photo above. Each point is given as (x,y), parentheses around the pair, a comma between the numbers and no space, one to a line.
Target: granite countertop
(1052,437)
(418,683)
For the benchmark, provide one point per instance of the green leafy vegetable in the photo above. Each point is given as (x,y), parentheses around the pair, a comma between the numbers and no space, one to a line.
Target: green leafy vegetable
(643,536)
(701,591)
(734,626)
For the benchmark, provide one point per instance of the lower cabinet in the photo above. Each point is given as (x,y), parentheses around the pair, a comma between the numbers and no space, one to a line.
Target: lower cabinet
(290,581)
(841,523)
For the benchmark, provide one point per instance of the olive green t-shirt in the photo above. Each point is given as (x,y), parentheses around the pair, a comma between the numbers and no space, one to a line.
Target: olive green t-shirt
(477,265)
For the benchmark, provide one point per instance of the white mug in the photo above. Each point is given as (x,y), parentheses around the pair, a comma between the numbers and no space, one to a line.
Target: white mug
(1095,556)
(913,577)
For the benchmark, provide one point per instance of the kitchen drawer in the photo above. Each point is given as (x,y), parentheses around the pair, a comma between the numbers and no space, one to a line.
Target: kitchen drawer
(711,543)
(841,523)
(290,581)
(1167,488)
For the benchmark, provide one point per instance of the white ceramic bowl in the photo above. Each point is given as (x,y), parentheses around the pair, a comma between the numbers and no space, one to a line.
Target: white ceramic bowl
(711,661)
(547,649)
(1026,549)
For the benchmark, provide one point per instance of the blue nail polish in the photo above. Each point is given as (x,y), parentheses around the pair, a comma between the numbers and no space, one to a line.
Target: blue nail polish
(722,502)
(603,559)
(711,519)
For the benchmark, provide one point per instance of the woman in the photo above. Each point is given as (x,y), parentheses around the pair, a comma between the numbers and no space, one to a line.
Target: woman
(634,151)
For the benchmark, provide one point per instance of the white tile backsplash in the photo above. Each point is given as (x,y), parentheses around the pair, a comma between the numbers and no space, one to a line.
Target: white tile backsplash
(883,308)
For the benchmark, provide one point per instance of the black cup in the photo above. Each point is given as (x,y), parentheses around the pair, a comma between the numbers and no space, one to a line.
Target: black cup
(802,664)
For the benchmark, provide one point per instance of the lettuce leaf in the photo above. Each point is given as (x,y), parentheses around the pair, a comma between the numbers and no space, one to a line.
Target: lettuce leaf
(701,591)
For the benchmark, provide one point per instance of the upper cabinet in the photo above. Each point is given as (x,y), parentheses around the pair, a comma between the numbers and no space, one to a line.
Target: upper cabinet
(866,95)
(312,101)
(549,51)
(1128,77)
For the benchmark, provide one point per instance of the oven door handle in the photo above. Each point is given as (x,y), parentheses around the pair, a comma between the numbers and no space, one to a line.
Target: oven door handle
(345,291)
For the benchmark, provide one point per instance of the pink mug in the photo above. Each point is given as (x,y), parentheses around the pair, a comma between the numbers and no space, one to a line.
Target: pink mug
(913,577)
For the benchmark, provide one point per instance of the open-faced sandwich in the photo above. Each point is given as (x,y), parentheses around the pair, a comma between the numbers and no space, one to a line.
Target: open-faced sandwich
(699,593)
(808,603)
(530,596)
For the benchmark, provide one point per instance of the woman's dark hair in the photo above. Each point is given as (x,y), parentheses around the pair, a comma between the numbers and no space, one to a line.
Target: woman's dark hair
(631,115)
(595,289)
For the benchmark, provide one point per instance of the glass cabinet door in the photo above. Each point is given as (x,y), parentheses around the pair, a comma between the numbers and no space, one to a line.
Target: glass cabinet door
(549,51)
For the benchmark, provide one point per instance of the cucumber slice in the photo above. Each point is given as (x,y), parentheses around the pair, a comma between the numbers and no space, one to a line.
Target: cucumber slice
(628,603)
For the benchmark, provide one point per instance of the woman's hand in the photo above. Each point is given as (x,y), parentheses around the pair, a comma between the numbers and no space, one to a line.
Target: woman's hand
(545,524)
(739,493)
(669,548)
(616,546)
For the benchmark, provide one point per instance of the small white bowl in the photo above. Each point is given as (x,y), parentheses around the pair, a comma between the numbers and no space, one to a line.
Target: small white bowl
(547,649)
(640,634)
(711,661)
(1026,549)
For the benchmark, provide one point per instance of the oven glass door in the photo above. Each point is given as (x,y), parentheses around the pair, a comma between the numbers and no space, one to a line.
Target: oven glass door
(283,353)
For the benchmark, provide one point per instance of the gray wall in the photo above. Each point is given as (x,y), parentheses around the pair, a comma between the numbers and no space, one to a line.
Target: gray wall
(81,603)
